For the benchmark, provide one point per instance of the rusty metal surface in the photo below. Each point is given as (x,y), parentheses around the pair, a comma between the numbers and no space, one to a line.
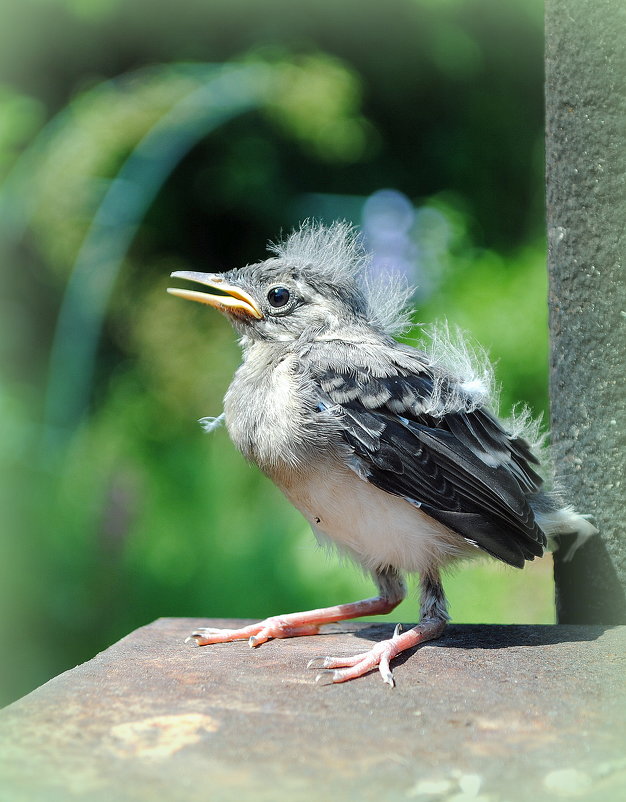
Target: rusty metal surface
(486,714)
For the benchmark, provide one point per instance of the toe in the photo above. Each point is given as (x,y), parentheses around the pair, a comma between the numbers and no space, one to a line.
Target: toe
(353,671)
(336,662)
(209,635)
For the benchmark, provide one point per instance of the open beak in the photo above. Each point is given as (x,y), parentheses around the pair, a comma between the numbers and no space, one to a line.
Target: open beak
(234,301)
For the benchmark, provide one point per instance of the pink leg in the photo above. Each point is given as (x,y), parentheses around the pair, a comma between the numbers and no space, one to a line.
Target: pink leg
(293,624)
(392,591)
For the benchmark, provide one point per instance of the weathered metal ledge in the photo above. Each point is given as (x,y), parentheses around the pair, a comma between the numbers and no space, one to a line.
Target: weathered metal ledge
(486,714)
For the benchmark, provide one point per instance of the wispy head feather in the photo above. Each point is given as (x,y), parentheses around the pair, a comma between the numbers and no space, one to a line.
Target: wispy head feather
(334,255)
(333,252)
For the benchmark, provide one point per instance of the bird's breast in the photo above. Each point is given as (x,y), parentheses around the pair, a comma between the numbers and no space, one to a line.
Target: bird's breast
(269,414)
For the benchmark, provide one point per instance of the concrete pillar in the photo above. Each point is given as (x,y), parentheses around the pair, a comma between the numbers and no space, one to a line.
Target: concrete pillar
(586,217)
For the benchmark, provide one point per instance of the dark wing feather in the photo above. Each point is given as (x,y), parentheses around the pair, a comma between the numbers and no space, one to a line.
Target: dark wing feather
(462,468)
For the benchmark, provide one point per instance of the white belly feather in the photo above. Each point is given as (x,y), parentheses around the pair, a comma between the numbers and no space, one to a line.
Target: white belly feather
(376,528)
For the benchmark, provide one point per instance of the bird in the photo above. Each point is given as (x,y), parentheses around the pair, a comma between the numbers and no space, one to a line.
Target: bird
(394,453)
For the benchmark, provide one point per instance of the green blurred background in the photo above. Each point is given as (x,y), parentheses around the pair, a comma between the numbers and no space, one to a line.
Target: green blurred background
(139,137)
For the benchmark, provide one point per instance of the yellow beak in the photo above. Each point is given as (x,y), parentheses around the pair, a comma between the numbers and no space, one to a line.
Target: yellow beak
(234,301)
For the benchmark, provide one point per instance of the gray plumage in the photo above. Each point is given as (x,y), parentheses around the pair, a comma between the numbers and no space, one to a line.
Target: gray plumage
(392,453)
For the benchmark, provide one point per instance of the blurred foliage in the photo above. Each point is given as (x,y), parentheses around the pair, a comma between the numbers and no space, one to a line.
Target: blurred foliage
(134,513)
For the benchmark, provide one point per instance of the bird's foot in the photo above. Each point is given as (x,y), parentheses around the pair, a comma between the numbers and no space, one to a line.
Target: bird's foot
(274,627)
(341,669)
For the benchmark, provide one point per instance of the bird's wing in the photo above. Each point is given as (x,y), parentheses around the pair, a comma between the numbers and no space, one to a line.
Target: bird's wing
(461,467)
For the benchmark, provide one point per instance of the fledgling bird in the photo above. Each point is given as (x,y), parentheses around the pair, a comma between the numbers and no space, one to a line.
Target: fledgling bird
(391,453)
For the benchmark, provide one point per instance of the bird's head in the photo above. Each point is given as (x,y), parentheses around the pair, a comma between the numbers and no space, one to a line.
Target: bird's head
(317,282)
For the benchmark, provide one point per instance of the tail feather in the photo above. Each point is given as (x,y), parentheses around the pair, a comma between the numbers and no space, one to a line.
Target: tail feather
(565,521)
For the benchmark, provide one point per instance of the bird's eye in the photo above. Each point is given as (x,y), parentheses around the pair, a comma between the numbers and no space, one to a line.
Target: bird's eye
(278,296)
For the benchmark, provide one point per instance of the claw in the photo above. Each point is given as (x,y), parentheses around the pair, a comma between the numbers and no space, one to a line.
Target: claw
(318,662)
(397,630)
(252,642)
(386,673)
(325,678)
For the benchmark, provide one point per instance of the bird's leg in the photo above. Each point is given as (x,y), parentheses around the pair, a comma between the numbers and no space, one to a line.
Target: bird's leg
(391,592)
(433,618)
